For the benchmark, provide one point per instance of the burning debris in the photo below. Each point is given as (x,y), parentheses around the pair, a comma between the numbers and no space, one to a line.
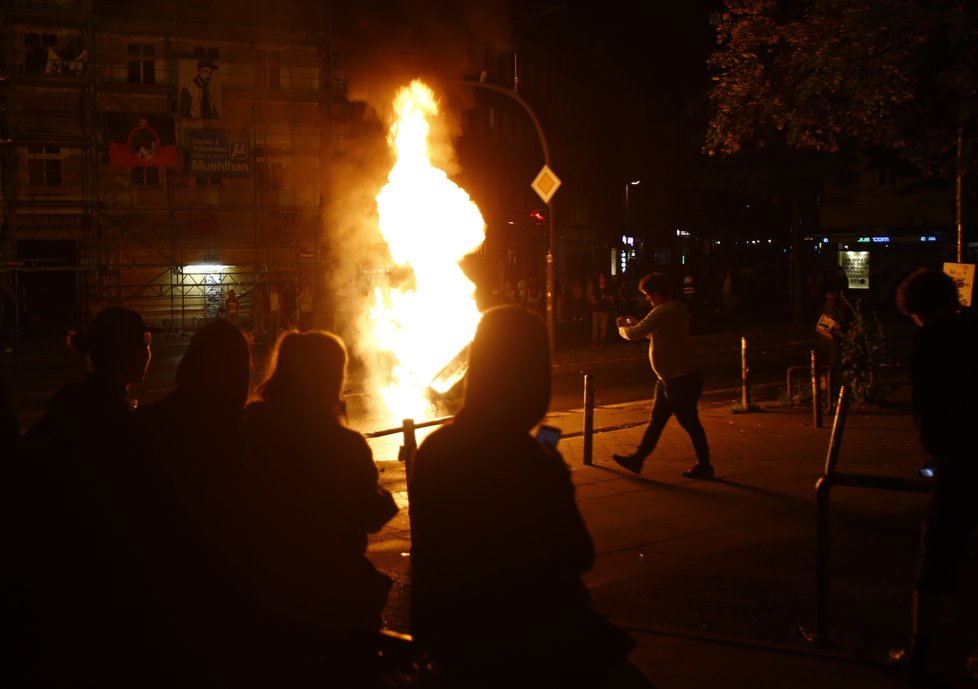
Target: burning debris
(429,224)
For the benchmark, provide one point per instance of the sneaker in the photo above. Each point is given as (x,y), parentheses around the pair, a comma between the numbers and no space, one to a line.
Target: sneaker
(631,462)
(699,471)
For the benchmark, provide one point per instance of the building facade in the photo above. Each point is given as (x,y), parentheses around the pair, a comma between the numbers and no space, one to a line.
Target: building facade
(159,154)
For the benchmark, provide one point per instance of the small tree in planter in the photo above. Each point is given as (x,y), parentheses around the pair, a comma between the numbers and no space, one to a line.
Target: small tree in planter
(863,350)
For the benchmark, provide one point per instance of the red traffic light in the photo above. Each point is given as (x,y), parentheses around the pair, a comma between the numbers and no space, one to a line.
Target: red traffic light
(537,216)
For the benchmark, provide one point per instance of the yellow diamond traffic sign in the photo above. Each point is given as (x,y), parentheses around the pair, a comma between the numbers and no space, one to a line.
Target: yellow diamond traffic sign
(546,184)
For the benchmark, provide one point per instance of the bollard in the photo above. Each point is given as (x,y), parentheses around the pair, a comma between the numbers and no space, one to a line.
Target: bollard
(408,450)
(816,393)
(828,388)
(588,417)
(744,375)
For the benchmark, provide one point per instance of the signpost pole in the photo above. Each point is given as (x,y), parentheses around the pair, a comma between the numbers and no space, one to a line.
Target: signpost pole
(551,246)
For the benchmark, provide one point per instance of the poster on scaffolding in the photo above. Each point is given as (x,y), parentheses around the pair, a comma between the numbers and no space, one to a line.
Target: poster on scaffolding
(200,89)
(964,277)
(215,153)
(141,140)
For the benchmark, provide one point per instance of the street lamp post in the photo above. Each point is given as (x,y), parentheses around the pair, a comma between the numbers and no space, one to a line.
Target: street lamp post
(551,243)
(633,183)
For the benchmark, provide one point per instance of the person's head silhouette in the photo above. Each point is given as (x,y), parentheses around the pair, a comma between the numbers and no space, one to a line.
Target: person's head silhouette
(308,369)
(217,366)
(508,379)
(117,344)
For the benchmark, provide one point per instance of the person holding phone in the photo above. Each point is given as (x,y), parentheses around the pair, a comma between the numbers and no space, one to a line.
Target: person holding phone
(498,545)
(944,377)
(548,436)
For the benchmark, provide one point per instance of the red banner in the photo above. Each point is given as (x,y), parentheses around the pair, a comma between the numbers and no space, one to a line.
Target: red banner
(137,140)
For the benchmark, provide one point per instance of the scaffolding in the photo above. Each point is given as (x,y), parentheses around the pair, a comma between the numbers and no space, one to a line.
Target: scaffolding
(140,235)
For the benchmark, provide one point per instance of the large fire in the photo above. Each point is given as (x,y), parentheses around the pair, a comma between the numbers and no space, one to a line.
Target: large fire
(426,317)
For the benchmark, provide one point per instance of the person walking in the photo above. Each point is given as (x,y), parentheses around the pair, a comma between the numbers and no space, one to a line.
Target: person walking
(679,379)
(500,602)
(944,376)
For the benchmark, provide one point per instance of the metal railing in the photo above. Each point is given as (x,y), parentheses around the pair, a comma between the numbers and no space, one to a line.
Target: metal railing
(410,446)
(815,370)
(823,487)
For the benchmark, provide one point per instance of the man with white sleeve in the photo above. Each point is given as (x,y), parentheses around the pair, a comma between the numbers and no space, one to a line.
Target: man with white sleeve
(679,381)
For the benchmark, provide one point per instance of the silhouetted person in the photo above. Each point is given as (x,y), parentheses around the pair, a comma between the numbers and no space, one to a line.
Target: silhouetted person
(259,311)
(601,296)
(8,319)
(83,481)
(309,497)
(944,373)
(498,545)
(9,427)
(679,379)
(231,307)
(837,308)
(192,443)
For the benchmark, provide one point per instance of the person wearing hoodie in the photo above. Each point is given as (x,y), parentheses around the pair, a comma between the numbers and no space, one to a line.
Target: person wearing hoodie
(500,601)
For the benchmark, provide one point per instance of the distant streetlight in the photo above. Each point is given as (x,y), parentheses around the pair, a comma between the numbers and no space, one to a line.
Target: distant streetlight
(633,183)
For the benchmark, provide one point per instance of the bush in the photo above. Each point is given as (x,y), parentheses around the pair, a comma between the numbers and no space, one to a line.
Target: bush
(863,350)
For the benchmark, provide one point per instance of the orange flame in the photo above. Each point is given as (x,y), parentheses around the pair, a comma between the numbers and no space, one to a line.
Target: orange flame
(429,224)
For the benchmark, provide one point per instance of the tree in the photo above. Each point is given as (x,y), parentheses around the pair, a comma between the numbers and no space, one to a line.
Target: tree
(819,74)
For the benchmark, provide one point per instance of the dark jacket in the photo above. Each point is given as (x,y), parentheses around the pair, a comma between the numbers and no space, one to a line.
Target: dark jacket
(498,550)
(309,495)
(84,528)
(943,367)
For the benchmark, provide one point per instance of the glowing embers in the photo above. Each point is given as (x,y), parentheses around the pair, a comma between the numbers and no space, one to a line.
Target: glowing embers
(426,315)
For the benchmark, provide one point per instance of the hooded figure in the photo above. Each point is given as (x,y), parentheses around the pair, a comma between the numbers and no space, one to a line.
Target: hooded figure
(82,502)
(192,448)
(498,545)
(309,496)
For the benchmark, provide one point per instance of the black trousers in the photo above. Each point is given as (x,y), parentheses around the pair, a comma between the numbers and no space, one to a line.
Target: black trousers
(677,396)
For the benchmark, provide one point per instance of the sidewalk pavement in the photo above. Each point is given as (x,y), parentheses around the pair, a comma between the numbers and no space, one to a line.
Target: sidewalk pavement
(716,579)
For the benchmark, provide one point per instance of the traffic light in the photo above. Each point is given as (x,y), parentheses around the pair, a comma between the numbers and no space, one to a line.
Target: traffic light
(537,217)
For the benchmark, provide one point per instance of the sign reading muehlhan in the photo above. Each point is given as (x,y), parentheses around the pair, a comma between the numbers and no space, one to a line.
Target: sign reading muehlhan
(212,167)
(216,154)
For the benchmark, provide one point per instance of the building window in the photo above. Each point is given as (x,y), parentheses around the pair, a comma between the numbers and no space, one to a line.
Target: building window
(44,167)
(37,47)
(268,167)
(145,177)
(142,63)
(211,53)
(886,176)
(269,69)
(208,181)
